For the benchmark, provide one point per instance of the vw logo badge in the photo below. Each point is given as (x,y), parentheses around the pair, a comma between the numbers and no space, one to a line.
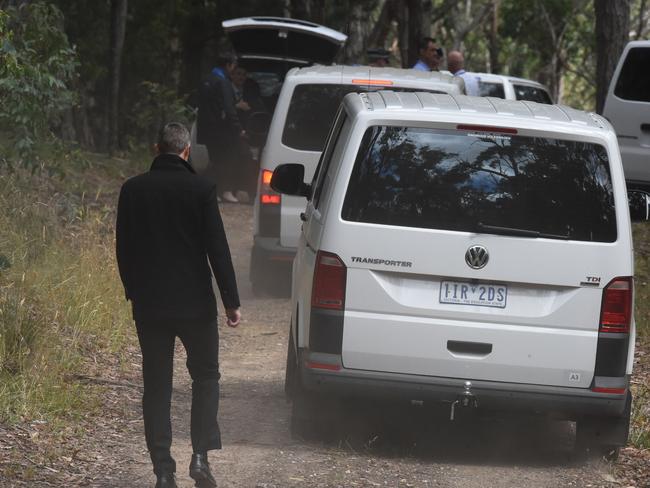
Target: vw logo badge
(477,257)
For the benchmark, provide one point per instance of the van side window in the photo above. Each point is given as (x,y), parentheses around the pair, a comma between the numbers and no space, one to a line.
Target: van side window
(326,157)
(634,79)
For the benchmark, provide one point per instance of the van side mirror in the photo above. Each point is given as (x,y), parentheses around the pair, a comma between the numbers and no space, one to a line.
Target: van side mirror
(639,202)
(289,179)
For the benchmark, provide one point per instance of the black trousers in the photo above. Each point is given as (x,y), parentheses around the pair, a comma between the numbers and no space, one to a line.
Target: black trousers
(201,341)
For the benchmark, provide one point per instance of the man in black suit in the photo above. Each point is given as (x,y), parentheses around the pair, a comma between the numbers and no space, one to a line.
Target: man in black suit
(168,229)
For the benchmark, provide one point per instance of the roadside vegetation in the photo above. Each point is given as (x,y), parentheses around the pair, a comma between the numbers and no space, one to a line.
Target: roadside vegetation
(640,428)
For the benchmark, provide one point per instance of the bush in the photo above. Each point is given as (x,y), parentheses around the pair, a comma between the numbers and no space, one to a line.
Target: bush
(36,66)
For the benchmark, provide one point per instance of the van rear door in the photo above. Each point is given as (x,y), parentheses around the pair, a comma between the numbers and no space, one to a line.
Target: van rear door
(477,255)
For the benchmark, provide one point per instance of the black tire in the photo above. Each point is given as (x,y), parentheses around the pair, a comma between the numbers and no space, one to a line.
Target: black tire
(291,370)
(603,437)
(314,416)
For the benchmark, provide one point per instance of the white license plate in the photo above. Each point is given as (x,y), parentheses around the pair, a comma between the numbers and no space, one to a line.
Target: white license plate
(463,293)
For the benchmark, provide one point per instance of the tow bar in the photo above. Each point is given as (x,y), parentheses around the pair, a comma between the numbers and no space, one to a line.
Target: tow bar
(465,400)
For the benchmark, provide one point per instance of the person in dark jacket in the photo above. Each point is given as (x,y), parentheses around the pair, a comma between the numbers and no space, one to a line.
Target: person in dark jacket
(218,126)
(168,229)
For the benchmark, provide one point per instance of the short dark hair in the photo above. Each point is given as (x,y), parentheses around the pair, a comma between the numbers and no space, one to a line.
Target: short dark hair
(424,42)
(173,138)
(226,58)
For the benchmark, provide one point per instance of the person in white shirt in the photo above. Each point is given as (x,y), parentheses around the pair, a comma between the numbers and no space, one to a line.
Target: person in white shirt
(456,66)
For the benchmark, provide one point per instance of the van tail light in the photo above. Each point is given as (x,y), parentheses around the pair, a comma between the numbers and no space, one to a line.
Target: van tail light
(486,128)
(330,274)
(616,309)
(267,195)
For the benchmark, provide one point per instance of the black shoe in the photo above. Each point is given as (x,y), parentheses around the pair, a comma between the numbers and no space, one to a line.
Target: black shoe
(200,471)
(166,480)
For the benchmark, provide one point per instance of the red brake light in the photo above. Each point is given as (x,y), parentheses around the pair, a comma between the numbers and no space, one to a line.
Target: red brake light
(372,82)
(270,199)
(616,312)
(266,177)
(613,391)
(485,128)
(267,195)
(328,289)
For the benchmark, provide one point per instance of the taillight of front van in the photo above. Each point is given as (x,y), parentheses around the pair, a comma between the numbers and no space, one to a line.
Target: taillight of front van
(616,311)
(270,201)
(327,304)
(614,331)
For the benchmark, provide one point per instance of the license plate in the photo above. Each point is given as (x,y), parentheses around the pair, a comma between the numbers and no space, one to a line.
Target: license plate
(463,293)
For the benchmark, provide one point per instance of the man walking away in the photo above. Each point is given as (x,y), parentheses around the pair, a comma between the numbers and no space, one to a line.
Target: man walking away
(456,66)
(168,229)
(430,55)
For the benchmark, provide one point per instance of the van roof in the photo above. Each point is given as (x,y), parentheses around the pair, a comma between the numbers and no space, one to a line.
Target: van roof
(341,73)
(391,102)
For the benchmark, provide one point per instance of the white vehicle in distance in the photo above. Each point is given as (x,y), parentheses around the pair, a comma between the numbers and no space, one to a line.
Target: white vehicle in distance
(465,250)
(627,107)
(512,88)
(301,121)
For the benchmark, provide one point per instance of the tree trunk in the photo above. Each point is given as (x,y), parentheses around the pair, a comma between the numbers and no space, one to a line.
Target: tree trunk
(495,65)
(403,34)
(357,31)
(382,26)
(419,26)
(612,32)
(118,31)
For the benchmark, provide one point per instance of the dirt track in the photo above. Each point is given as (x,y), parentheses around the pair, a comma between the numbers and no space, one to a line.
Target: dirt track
(397,448)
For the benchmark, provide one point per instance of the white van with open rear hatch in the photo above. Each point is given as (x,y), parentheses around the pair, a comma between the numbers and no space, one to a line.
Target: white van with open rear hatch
(467,250)
(303,115)
(627,107)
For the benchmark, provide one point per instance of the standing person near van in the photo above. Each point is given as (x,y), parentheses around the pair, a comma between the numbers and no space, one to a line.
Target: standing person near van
(430,55)
(218,126)
(456,66)
(168,229)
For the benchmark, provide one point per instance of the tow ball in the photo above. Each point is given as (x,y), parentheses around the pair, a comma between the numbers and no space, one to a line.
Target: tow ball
(465,400)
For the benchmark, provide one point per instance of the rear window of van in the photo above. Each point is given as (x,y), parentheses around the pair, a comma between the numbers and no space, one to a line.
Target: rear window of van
(489,89)
(472,181)
(531,93)
(634,79)
(312,110)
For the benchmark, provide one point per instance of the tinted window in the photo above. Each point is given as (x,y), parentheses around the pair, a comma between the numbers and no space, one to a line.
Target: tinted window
(634,80)
(464,181)
(531,93)
(312,110)
(487,89)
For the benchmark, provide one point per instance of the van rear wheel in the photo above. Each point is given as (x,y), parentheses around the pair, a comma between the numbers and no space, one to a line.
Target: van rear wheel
(603,436)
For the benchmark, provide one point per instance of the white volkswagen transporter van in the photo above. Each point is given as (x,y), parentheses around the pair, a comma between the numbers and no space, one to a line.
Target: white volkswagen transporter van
(303,115)
(467,250)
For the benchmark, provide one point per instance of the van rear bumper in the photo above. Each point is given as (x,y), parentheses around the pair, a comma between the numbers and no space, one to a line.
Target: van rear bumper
(570,403)
(268,257)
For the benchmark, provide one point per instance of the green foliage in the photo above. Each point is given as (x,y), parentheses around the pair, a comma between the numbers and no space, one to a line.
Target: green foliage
(156,105)
(36,66)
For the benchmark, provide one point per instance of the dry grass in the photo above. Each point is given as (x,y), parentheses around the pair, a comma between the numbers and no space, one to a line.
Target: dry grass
(61,302)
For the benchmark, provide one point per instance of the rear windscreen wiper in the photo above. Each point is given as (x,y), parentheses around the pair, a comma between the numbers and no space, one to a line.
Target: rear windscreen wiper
(512,231)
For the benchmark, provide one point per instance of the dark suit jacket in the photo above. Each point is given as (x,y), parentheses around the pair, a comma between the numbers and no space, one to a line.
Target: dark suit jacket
(168,227)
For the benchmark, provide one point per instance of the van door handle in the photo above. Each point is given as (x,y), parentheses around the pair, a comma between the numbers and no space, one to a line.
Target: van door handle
(474,348)
(645,127)
(303,216)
